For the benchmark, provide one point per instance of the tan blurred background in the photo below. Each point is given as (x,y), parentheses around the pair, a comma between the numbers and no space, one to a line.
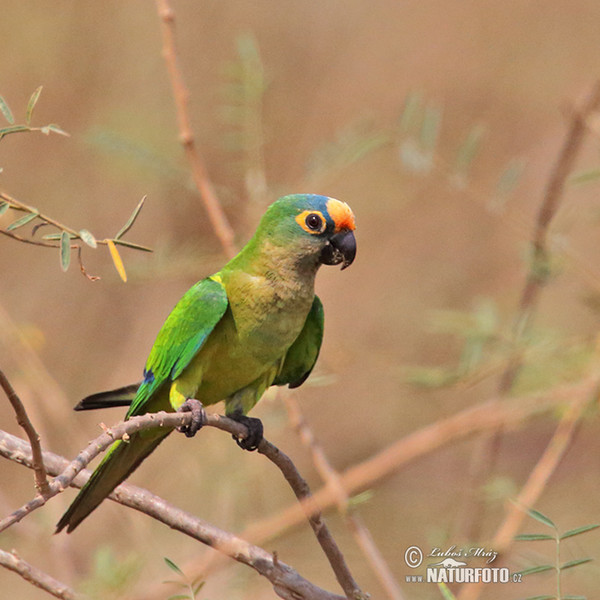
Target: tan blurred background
(338,74)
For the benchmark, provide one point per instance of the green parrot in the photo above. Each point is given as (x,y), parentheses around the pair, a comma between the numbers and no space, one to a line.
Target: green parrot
(255,323)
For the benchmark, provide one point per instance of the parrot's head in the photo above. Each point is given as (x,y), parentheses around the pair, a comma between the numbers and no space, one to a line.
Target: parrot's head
(316,229)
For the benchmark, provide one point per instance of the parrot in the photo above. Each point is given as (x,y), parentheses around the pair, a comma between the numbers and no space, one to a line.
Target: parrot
(254,324)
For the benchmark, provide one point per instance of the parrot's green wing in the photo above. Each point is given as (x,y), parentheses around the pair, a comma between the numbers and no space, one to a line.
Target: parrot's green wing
(302,354)
(181,337)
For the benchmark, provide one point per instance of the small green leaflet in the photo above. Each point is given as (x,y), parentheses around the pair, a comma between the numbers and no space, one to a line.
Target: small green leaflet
(173,566)
(88,238)
(22,221)
(533,537)
(579,530)
(540,569)
(5,110)
(65,250)
(131,219)
(31,104)
(575,563)
(4,207)
(538,516)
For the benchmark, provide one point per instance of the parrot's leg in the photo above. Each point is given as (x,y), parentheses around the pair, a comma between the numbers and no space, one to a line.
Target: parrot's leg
(198,417)
(255,431)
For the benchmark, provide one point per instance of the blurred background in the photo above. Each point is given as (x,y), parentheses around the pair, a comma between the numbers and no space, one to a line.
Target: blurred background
(439,124)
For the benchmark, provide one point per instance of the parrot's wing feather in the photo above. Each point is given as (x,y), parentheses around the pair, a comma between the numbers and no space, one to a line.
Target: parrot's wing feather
(181,337)
(302,354)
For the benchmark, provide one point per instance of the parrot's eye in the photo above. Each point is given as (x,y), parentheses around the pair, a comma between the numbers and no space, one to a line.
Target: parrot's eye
(314,222)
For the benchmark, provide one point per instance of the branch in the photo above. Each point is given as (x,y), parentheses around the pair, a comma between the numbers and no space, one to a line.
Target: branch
(287,583)
(207,192)
(63,240)
(38,578)
(39,471)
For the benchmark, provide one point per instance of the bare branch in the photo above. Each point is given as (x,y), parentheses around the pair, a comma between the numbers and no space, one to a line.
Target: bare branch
(11,561)
(287,583)
(205,187)
(41,482)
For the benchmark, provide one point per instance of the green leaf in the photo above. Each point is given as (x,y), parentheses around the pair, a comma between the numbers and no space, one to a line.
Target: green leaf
(540,569)
(579,530)
(65,250)
(5,110)
(573,598)
(13,129)
(173,566)
(541,598)
(131,220)
(179,597)
(22,221)
(585,176)
(197,587)
(132,245)
(538,516)
(88,238)
(4,206)
(31,104)
(532,537)
(575,563)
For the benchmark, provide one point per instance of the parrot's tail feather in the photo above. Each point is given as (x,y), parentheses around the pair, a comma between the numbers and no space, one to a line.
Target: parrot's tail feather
(122,396)
(121,460)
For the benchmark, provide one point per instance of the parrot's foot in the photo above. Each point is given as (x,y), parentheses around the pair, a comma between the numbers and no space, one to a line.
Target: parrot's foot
(198,417)
(255,431)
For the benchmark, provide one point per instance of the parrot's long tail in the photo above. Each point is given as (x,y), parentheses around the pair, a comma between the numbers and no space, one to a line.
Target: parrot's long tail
(122,396)
(120,461)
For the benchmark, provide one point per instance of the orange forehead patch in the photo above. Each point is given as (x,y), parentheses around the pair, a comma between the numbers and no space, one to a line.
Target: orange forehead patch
(342,215)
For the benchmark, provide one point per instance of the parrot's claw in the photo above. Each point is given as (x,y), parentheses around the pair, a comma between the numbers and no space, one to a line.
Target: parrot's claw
(255,432)
(198,417)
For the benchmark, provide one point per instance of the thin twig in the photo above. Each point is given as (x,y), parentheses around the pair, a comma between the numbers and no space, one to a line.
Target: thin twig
(207,192)
(537,277)
(39,471)
(313,514)
(287,583)
(353,521)
(33,575)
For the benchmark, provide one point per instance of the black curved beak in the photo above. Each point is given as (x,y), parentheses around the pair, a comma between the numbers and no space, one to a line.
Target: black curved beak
(341,248)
